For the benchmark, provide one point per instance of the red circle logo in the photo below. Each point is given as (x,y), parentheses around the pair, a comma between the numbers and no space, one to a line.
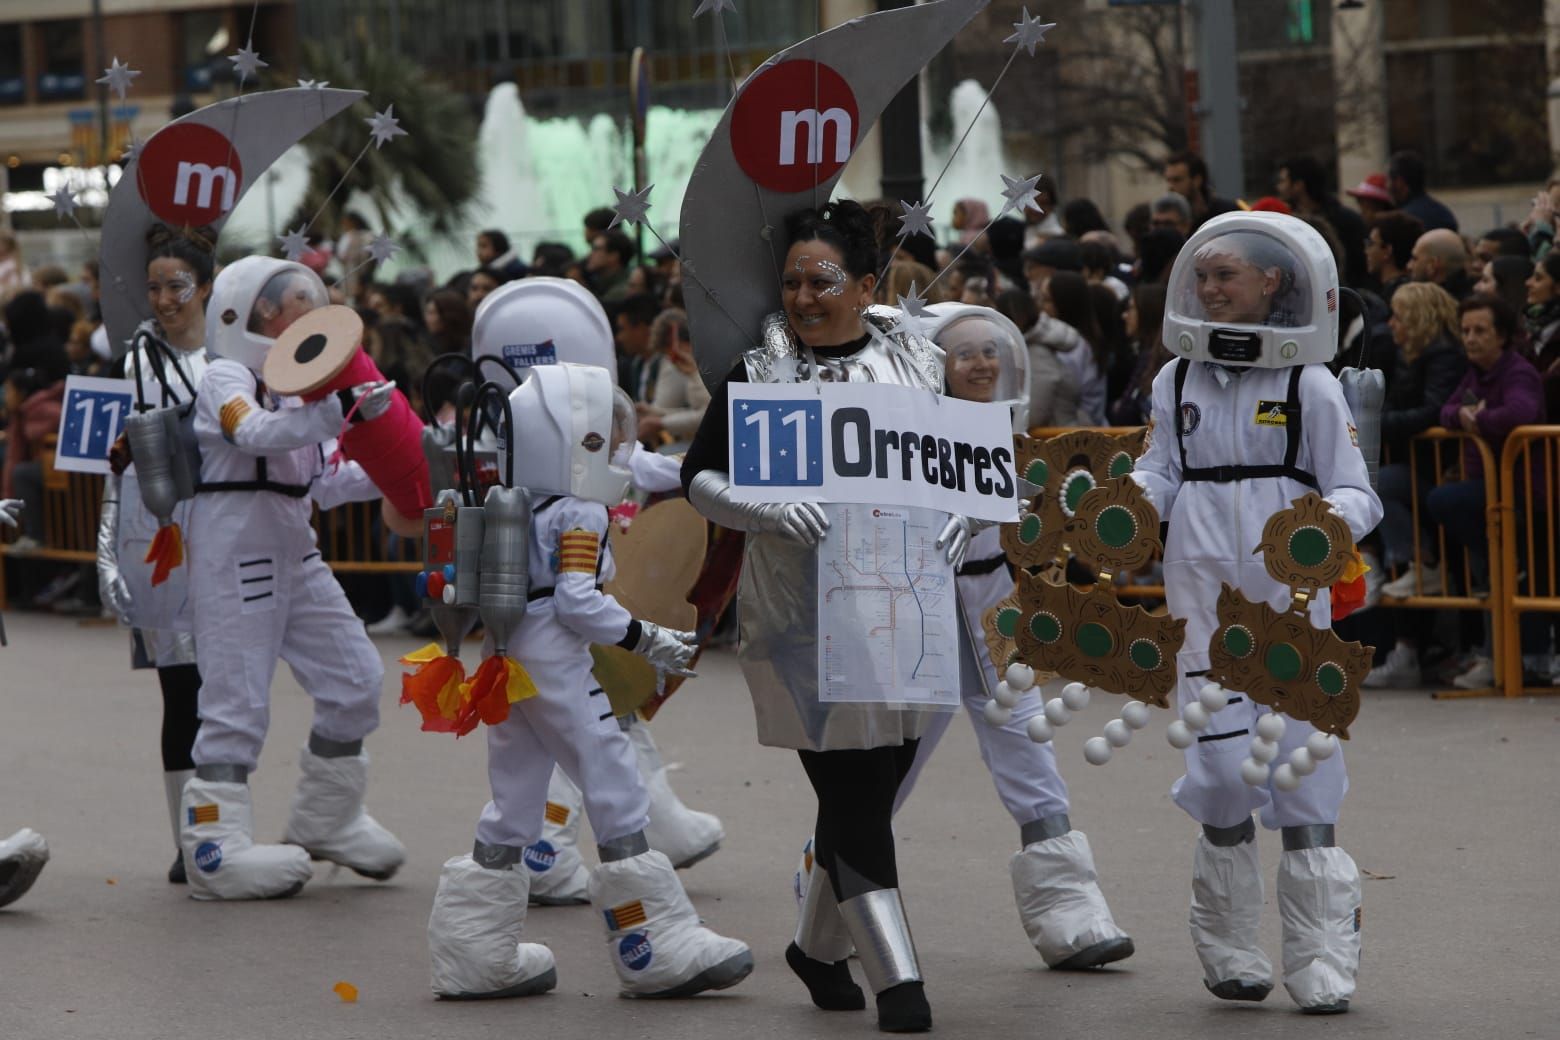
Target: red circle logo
(795,126)
(190,175)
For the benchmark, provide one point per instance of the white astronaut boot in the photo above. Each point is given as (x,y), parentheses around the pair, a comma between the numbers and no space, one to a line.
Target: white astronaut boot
(22,857)
(328,818)
(658,945)
(1226,910)
(474,929)
(678,832)
(217,836)
(1059,898)
(819,955)
(558,873)
(173,788)
(1319,902)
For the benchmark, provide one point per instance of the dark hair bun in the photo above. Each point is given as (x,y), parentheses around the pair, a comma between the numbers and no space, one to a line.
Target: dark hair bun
(844,224)
(196,247)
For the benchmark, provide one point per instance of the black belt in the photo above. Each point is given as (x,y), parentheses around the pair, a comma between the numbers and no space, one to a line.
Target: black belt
(536,594)
(987,566)
(1230,474)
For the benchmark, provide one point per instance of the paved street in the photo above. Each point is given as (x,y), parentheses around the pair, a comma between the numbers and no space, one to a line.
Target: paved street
(1453,814)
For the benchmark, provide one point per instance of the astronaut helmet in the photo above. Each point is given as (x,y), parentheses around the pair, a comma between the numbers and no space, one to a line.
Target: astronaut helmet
(1253,289)
(542,321)
(574,431)
(253,301)
(987,359)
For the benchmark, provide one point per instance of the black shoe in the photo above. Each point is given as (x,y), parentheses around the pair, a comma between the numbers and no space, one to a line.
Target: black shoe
(903,1009)
(829,984)
(176,875)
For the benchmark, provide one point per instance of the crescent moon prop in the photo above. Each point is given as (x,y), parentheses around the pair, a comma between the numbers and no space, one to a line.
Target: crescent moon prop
(782,144)
(193,172)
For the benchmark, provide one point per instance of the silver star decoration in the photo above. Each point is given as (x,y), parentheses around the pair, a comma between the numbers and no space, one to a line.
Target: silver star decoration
(247,62)
(706,6)
(912,309)
(310,84)
(1031,31)
(295,243)
(64,201)
(916,221)
(383,248)
(1020,194)
(118,77)
(384,127)
(631,206)
(132,152)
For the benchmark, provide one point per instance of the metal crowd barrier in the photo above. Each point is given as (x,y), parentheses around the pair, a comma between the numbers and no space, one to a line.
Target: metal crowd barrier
(1530,492)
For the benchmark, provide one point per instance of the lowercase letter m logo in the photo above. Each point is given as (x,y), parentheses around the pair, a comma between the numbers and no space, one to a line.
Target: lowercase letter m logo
(189,175)
(795,125)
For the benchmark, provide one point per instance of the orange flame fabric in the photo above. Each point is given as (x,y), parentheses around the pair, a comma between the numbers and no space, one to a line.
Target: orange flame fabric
(434,685)
(165,553)
(498,683)
(1348,595)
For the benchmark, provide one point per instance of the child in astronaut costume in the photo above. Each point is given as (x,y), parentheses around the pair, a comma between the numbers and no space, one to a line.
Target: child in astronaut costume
(23,854)
(574,425)
(539,321)
(262,592)
(1248,420)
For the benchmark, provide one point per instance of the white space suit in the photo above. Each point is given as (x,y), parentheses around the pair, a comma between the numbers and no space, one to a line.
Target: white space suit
(565,416)
(261,593)
(1245,423)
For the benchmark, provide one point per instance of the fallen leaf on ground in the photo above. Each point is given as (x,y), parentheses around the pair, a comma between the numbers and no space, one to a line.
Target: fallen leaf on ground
(346,991)
(1371,875)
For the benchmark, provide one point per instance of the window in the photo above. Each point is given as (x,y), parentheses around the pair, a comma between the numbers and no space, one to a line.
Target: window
(63,76)
(13,85)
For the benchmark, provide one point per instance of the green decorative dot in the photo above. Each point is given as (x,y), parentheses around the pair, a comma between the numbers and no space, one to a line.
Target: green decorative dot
(1045,627)
(1007,622)
(1029,529)
(1095,640)
(1309,546)
(1038,472)
(1283,662)
(1120,464)
(1116,526)
(1079,483)
(1145,654)
(1331,679)
(1237,640)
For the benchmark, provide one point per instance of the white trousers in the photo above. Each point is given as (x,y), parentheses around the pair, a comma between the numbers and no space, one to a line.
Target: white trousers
(253,607)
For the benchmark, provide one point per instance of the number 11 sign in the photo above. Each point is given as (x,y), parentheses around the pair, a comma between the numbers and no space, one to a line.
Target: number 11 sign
(93,414)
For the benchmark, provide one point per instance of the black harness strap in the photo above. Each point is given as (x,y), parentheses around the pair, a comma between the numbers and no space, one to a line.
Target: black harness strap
(262,481)
(1293,431)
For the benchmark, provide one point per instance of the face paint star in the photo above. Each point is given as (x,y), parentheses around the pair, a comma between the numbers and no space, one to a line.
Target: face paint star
(631,206)
(247,62)
(118,77)
(384,127)
(1020,194)
(705,6)
(64,201)
(1031,31)
(917,220)
(295,243)
(383,248)
(912,309)
(310,84)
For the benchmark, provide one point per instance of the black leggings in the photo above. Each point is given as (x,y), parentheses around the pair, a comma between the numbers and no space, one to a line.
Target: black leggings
(181,717)
(854,836)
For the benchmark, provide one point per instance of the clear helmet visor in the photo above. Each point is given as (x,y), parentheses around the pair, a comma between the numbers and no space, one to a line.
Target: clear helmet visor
(1243,277)
(625,429)
(284,298)
(984,360)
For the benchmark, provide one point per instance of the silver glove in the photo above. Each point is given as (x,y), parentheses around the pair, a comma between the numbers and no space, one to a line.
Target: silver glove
(112,588)
(666,648)
(955,539)
(10,509)
(800,522)
(373,399)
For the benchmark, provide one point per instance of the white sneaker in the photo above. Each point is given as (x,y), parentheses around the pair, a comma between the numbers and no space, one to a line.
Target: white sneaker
(1399,671)
(392,624)
(1479,677)
(1405,585)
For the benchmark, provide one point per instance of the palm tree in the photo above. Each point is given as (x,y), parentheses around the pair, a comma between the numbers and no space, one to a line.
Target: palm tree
(420,184)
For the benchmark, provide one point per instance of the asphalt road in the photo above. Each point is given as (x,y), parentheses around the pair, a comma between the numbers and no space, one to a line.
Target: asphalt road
(1453,814)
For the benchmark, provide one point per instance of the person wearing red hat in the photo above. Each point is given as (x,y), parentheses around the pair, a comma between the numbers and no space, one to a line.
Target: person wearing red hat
(1372,196)
(1271,204)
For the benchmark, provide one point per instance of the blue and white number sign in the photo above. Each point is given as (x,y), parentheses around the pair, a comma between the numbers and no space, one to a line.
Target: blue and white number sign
(93,414)
(778,443)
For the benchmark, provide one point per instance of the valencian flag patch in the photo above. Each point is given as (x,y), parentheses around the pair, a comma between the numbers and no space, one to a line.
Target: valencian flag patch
(203,814)
(628,915)
(557,814)
(577,551)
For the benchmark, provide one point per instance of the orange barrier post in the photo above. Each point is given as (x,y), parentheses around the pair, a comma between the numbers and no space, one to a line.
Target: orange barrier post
(1530,482)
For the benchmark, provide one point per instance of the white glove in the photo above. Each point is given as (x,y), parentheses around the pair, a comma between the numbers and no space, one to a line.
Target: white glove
(955,539)
(10,509)
(372,399)
(666,648)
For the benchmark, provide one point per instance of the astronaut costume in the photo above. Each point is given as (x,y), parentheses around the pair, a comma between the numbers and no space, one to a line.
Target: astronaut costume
(23,854)
(565,415)
(1055,883)
(539,321)
(262,592)
(1247,420)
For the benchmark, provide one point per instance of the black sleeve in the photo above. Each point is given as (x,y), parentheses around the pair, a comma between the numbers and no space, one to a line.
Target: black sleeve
(712,443)
(1444,368)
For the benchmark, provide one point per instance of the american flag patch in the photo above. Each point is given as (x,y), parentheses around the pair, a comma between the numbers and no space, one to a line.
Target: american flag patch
(1332,300)
(556,813)
(233,413)
(577,551)
(628,915)
(203,814)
